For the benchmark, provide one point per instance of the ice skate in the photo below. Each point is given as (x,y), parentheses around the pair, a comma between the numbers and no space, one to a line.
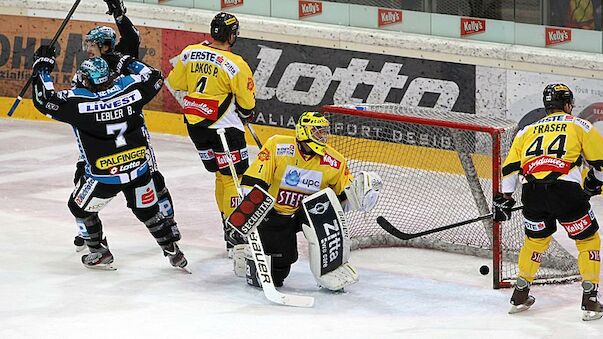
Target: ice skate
(100,258)
(79,243)
(591,307)
(521,298)
(176,257)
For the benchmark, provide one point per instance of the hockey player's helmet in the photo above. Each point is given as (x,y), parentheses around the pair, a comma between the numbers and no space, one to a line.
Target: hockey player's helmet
(313,129)
(223,26)
(94,71)
(101,36)
(556,96)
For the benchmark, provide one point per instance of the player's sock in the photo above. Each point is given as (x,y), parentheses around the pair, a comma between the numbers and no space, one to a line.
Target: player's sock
(521,298)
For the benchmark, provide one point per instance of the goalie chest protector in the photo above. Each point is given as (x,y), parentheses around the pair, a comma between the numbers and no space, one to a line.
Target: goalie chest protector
(326,218)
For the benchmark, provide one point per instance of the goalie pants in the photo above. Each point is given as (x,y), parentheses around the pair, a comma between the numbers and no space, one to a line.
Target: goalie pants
(90,196)
(210,149)
(545,204)
(279,238)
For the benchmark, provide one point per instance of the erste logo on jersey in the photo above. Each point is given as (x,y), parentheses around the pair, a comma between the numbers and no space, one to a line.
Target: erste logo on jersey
(301,179)
(204,108)
(287,150)
(471,26)
(105,105)
(388,16)
(545,164)
(328,160)
(290,198)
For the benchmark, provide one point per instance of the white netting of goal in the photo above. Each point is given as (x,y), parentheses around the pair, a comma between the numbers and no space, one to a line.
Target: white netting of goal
(438,169)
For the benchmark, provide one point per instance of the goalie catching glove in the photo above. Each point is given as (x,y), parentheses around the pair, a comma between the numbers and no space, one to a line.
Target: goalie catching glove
(363,193)
(328,241)
(501,207)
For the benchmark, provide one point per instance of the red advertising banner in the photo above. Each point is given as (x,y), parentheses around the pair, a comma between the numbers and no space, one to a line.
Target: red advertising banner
(470,26)
(309,8)
(230,3)
(388,16)
(557,35)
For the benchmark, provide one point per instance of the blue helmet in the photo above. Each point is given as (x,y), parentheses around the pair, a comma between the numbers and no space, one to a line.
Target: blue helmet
(101,35)
(94,70)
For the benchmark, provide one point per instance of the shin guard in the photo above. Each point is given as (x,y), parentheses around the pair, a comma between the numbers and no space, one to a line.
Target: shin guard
(589,260)
(531,255)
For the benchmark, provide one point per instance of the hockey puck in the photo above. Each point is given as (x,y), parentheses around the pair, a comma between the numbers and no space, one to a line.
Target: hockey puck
(484,270)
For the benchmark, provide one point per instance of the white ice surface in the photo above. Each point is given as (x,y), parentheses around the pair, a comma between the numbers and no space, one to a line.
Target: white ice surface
(45,292)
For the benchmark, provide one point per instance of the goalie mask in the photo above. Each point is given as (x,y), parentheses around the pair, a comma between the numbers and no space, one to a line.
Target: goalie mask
(556,96)
(93,73)
(313,129)
(223,26)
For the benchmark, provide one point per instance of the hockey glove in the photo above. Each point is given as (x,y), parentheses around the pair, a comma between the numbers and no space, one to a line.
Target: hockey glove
(44,58)
(116,8)
(592,185)
(246,115)
(112,59)
(501,207)
(123,63)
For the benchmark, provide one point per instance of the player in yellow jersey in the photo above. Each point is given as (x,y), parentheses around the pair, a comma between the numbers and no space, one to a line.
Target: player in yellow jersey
(291,169)
(220,94)
(549,155)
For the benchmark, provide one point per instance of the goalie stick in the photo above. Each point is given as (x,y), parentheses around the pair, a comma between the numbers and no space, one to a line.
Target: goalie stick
(389,228)
(259,256)
(51,43)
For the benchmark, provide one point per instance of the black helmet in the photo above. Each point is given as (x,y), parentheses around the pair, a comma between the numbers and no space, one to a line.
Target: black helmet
(223,25)
(556,96)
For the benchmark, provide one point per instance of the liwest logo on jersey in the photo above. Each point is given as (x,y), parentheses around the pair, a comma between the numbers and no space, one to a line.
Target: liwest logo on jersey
(121,158)
(110,104)
(301,179)
(285,150)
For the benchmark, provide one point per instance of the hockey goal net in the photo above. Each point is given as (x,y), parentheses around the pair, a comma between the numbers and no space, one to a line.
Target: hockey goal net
(438,168)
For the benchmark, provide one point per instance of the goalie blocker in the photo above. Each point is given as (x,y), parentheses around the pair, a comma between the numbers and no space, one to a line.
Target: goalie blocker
(329,242)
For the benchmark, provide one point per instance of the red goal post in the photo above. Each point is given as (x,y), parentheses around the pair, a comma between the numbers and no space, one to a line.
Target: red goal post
(438,168)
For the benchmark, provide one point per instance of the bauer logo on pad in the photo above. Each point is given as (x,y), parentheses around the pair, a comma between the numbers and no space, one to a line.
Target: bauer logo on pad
(252,210)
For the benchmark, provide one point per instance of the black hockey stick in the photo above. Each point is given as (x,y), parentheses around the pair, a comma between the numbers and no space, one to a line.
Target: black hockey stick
(255,136)
(389,228)
(52,42)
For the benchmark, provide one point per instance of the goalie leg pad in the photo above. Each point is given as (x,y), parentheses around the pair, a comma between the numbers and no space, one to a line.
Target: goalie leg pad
(328,240)
(240,254)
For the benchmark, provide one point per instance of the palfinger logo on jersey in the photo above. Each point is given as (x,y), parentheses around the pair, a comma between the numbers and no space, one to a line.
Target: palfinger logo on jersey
(121,158)
(388,16)
(204,108)
(545,164)
(471,26)
(146,195)
(576,227)
(309,8)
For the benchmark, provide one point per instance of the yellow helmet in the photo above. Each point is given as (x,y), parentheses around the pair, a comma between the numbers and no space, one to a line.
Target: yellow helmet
(313,129)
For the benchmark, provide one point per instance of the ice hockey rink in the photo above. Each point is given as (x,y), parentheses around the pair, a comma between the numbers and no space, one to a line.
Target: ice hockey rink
(45,292)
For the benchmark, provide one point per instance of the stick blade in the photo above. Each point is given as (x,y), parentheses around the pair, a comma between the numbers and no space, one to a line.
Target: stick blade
(389,228)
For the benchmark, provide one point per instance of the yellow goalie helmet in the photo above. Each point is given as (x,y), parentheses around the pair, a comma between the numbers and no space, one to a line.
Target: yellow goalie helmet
(313,129)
